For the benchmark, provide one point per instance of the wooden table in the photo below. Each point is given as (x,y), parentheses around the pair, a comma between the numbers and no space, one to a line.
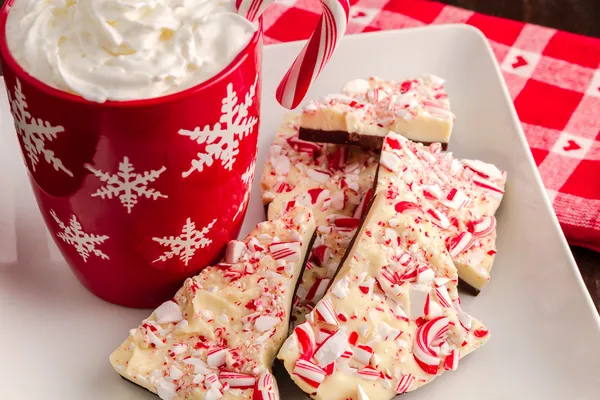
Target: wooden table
(578,16)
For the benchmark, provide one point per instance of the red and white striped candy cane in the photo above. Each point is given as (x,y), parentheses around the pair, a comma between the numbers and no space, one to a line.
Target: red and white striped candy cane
(315,54)
(251,9)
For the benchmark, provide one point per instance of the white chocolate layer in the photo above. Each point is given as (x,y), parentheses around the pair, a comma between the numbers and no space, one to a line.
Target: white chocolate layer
(418,108)
(460,196)
(371,329)
(295,166)
(229,320)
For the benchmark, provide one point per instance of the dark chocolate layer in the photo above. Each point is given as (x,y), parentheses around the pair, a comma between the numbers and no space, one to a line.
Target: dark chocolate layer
(341,137)
(465,287)
(370,142)
(353,241)
(301,275)
(133,383)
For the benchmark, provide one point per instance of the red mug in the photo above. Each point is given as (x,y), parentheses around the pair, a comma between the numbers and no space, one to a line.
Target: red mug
(140,195)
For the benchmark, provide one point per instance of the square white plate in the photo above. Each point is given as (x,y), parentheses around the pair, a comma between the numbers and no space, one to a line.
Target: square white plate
(55,337)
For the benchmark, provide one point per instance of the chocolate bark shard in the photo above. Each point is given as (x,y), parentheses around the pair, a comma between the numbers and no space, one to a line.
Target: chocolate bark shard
(368,109)
(296,166)
(220,333)
(331,180)
(459,196)
(391,321)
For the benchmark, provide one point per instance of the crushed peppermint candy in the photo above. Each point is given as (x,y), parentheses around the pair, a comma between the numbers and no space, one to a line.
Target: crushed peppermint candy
(334,181)
(310,372)
(265,323)
(285,251)
(235,319)
(458,196)
(332,348)
(376,106)
(393,307)
(168,312)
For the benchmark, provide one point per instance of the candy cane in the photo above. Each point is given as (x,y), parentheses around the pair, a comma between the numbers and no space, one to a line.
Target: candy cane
(426,355)
(265,388)
(315,54)
(311,373)
(306,338)
(237,380)
(251,9)
(404,383)
(369,373)
(216,357)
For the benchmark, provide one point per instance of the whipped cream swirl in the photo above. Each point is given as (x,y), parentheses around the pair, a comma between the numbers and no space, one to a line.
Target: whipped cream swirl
(125,49)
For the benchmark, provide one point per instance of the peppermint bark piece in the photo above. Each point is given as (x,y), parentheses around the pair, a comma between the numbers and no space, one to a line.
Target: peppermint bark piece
(335,181)
(460,196)
(332,238)
(326,178)
(219,335)
(368,109)
(391,322)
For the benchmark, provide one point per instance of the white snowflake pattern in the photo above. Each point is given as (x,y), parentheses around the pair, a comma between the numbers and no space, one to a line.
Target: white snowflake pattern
(223,139)
(84,243)
(126,184)
(247,178)
(34,132)
(186,244)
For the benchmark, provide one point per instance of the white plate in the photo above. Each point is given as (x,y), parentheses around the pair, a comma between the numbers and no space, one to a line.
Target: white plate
(55,337)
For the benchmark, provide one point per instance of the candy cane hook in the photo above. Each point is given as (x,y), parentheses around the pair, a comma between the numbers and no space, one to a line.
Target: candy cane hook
(315,54)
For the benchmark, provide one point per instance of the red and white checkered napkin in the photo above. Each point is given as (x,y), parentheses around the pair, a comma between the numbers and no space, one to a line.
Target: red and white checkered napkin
(553,77)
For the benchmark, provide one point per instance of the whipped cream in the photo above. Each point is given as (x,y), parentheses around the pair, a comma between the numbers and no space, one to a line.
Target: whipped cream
(125,49)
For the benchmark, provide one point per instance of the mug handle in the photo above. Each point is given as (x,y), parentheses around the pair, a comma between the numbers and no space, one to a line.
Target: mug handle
(315,54)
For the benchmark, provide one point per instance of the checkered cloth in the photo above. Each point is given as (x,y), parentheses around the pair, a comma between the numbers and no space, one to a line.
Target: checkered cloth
(553,78)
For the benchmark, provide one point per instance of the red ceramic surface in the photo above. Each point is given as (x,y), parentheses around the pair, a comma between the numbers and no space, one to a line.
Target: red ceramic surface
(140,195)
